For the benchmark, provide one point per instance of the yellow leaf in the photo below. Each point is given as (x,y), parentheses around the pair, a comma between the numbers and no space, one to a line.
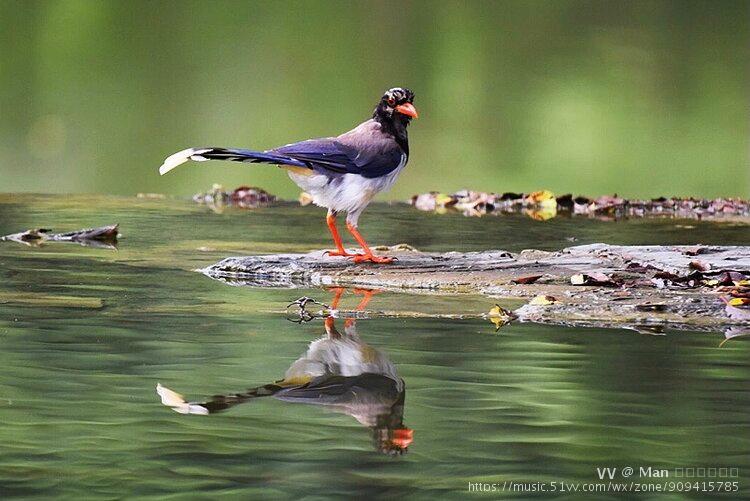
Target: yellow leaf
(543,198)
(442,199)
(543,300)
(542,212)
(499,316)
(738,301)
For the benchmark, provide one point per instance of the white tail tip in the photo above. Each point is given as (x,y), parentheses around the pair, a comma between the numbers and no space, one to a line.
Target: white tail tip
(180,158)
(177,402)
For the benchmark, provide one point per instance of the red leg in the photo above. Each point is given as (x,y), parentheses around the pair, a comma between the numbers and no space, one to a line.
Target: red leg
(340,251)
(368,256)
(337,293)
(330,321)
(366,297)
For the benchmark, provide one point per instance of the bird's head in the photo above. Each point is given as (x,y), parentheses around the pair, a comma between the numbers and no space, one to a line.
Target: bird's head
(397,104)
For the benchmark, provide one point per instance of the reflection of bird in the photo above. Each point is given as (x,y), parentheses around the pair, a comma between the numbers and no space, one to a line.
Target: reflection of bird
(341,173)
(338,371)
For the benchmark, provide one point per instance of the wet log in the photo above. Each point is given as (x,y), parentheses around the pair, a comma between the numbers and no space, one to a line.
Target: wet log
(101,237)
(597,285)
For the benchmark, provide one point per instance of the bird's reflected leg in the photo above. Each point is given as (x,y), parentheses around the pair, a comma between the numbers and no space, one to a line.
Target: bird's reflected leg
(331,222)
(329,321)
(337,293)
(367,295)
(366,298)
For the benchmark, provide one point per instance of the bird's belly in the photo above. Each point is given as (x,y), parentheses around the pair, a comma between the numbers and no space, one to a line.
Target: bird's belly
(343,192)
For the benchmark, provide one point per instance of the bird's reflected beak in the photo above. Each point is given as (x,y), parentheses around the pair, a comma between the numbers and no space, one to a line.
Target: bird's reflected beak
(403,437)
(407,109)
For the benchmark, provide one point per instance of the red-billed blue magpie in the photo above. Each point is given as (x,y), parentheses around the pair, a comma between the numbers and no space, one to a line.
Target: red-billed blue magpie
(341,173)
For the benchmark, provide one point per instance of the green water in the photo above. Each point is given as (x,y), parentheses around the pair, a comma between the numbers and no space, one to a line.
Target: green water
(533,403)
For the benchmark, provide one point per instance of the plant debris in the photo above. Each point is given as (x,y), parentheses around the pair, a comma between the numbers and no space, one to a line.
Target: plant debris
(543,205)
(499,316)
(102,237)
(245,197)
(543,300)
(595,278)
(526,280)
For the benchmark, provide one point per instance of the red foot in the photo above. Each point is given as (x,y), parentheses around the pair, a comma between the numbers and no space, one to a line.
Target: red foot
(371,258)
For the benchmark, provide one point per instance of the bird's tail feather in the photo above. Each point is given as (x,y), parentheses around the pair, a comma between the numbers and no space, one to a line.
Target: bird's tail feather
(231,154)
(217,403)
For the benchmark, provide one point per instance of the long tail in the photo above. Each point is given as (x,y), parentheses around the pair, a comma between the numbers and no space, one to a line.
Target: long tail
(217,403)
(232,154)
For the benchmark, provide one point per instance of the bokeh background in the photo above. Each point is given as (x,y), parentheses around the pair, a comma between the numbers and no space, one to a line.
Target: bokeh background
(636,98)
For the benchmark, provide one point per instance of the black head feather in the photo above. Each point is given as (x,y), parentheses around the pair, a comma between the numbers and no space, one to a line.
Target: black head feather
(392,122)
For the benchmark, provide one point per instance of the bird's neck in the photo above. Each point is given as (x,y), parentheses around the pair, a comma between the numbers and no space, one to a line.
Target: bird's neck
(396,127)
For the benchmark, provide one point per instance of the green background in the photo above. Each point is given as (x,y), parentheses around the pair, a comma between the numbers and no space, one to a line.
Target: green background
(638,98)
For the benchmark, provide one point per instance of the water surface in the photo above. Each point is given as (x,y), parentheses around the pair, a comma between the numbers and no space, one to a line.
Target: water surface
(86,335)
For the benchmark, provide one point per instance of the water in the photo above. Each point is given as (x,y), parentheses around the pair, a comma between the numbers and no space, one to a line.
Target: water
(532,403)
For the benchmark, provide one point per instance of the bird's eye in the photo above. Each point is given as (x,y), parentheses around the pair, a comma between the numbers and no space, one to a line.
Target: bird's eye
(391,101)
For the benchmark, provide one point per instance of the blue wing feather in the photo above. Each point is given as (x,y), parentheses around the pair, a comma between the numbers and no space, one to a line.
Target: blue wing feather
(333,155)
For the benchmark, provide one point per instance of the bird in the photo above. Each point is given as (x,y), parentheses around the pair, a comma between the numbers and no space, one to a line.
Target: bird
(339,371)
(341,173)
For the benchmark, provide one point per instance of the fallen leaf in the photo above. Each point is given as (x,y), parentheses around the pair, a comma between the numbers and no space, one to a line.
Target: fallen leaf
(699,265)
(543,300)
(443,200)
(593,278)
(542,212)
(526,280)
(499,316)
(543,198)
(578,279)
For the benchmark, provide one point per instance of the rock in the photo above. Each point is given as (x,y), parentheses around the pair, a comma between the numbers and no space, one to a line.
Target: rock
(684,300)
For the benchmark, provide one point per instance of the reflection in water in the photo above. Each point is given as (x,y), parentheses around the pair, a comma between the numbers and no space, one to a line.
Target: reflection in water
(104,237)
(339,371)
(734,333)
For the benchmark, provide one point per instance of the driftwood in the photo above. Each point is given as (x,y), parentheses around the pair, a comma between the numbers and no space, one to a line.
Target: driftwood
(544,205)
(645,287)
(101,237)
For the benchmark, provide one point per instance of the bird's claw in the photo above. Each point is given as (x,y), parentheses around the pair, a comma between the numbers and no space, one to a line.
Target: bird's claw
(303,314)
(371,258)
(304,301)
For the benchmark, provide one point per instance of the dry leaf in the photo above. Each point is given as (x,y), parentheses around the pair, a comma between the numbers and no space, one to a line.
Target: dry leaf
(526,280)
(738,301)
(699,265)
(500,316)
(543,300)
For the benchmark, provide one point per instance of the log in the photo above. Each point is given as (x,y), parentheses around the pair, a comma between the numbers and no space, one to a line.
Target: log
(101,237)
(597,285)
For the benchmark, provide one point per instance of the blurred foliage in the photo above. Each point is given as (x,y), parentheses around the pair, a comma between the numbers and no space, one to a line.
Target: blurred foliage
(638,98)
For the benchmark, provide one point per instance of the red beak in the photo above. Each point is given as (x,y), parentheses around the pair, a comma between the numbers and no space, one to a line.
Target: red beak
(403,437)
(407,109)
